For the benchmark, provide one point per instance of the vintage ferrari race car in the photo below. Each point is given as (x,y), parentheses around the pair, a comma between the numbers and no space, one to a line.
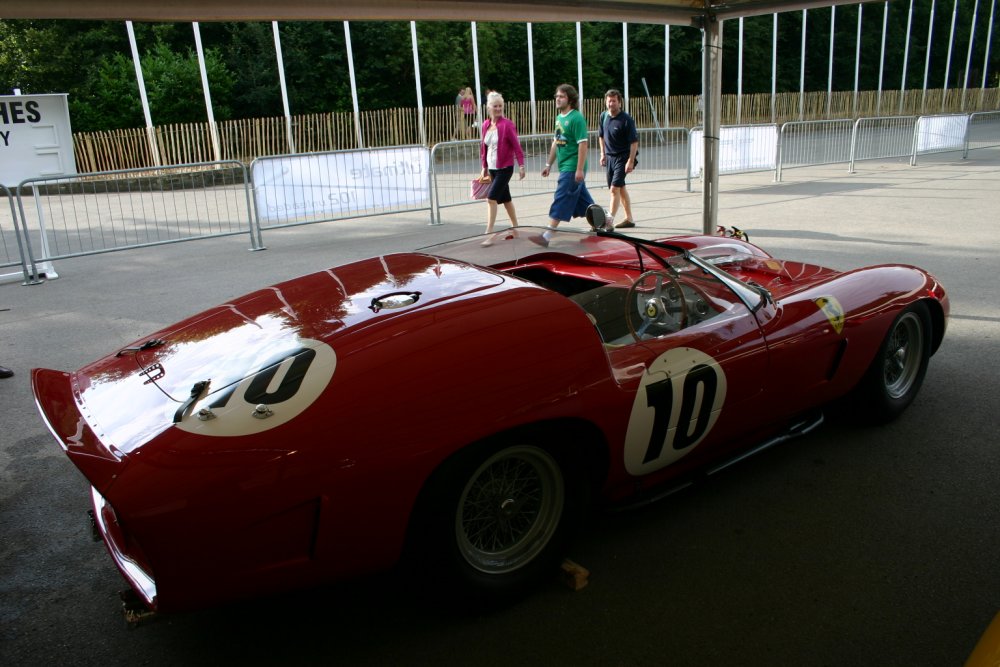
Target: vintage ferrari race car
(461,406)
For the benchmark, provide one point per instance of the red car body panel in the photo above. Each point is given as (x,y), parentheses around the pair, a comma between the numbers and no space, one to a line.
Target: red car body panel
(370,375)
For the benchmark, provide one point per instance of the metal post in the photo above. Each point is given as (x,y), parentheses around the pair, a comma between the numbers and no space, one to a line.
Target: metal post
(986,56)
(420,95)
(927,61)
(625,61)
(666,75)
(739,75)
(531,84)
(829,76)
(711,95)
(150,132)
(217,149)
(579,63)
(951,42)
(475,63)
(284,88)
(354,84)
(906,58)
(802,70)
(968,57)
(857,63)
(881,58)
(774,70)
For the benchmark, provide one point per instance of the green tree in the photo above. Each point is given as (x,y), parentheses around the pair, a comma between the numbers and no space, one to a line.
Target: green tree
(173,85)
(110,100)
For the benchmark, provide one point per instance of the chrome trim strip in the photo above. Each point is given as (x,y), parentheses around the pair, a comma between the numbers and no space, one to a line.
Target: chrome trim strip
(140,581)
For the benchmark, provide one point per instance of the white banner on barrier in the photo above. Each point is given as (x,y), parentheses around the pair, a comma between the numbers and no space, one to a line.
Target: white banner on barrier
(940,133)
(332,184)
(741,148)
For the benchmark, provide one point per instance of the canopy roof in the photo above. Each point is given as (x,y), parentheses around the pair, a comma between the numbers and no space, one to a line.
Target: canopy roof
(675,12)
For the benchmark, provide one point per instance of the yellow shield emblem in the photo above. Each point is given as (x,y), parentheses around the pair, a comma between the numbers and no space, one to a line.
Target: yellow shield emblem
(833,311)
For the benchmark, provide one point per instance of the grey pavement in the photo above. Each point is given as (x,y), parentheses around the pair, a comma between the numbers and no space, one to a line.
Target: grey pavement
(851,546)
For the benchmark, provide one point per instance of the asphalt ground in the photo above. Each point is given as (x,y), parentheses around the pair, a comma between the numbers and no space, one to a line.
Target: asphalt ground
(850,546)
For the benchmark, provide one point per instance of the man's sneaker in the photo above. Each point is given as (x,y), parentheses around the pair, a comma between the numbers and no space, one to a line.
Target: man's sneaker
(539,240)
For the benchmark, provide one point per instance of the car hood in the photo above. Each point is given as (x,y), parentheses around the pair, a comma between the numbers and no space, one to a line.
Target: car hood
(259,345)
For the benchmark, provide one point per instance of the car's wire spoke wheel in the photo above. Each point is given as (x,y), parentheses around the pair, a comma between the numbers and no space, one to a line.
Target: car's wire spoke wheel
(510,509)
(903,356)
(894,377)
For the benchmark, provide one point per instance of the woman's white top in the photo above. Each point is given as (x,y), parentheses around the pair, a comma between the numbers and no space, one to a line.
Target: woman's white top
(491,147)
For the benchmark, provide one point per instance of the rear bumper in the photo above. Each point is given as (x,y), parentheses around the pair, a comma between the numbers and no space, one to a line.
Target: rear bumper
(115,539)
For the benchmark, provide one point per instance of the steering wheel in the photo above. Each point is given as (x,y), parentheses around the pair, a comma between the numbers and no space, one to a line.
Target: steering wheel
(656,299)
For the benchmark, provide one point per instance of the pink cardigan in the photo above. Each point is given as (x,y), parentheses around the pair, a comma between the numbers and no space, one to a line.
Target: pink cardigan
(508,145)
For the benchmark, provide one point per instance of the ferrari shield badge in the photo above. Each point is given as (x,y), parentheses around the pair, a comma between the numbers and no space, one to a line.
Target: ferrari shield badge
(833,311)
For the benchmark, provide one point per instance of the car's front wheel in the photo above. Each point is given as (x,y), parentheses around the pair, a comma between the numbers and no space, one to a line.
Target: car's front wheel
(897,372)
(498,517)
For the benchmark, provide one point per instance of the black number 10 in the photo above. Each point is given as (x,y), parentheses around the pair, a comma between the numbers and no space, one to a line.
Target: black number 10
(660,397)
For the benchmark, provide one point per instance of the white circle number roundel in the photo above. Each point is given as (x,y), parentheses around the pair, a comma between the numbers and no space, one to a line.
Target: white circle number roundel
(678,402)
(286,388)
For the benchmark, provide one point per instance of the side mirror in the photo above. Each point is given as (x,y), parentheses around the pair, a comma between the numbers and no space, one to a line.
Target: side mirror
(597,217)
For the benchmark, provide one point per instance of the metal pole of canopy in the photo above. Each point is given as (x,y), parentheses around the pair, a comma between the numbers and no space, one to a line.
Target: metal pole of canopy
(420,94)
(711,85)
(284,88)
(154,149)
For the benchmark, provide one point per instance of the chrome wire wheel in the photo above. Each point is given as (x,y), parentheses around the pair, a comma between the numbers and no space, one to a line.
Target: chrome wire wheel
(904,355)
(510,509)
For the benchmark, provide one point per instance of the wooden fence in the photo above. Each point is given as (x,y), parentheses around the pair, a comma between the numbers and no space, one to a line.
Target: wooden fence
(247,139)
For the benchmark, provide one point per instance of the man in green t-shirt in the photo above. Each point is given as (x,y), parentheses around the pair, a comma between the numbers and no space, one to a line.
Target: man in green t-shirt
(569,153)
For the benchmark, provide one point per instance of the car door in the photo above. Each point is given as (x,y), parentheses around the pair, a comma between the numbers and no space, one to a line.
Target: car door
(698,388)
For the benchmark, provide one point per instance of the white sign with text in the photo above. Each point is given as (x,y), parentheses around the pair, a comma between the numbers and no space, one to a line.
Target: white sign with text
(741,148)
(941,133)
(35,138)
(332,184)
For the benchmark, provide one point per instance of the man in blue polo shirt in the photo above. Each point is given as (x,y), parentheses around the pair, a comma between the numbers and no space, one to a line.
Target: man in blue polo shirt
(619,141)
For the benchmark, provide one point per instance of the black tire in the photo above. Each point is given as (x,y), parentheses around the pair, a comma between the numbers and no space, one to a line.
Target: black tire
(897,372)
(496,520)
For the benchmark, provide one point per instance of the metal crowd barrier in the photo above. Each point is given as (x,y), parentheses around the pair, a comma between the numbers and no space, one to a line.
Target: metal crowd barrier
(455,163)
(984,131)
(664,155)
(10,241)
(882,137)
(940,133)
(812,143)
(742,149)
(89,214)
(58,218)
(305,188)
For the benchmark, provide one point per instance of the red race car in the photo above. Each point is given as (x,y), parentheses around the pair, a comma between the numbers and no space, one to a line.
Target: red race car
(459,407)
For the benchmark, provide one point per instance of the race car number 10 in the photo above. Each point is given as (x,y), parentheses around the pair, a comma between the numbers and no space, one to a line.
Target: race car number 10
(287,388)
(677,404)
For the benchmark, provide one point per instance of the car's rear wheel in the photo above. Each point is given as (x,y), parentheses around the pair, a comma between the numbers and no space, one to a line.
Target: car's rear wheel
(898,370)
(497,518)
(509,510)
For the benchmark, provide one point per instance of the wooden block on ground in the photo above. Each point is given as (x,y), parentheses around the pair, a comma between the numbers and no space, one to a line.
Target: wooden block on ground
(573,574)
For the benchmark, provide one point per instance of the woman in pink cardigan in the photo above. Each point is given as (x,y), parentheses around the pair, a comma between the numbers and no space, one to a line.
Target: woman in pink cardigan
(499,149)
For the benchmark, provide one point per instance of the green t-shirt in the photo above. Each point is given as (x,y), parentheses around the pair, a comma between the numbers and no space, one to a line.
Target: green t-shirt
(571,130)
